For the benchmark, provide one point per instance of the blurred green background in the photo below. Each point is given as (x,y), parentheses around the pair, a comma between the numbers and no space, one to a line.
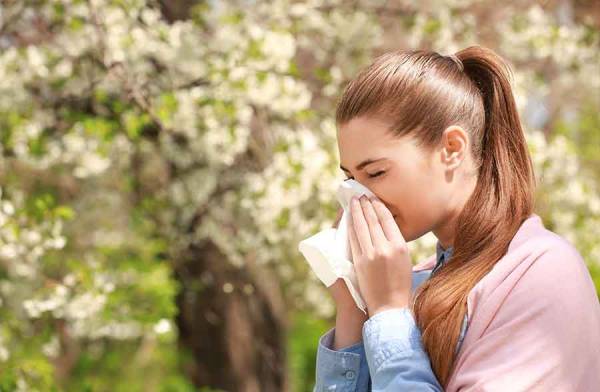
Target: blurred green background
(161,160)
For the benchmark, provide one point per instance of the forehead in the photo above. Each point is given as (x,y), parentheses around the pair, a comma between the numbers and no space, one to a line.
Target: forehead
(360,129)
(363,138)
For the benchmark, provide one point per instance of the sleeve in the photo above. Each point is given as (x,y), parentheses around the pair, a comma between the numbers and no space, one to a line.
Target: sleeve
(539,330)
(395,355)
(344,370)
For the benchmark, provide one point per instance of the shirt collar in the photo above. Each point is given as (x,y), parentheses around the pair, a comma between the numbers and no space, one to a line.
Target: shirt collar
(442,254)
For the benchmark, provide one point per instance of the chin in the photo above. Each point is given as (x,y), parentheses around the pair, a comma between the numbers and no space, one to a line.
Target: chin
(403,229)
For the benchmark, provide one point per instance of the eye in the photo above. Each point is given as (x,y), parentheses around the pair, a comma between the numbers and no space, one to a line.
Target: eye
(377,174)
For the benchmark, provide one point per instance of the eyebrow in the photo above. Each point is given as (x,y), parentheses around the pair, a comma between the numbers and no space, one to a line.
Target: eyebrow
(363,164)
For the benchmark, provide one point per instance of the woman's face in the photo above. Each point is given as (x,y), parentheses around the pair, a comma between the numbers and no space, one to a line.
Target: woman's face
(420,189)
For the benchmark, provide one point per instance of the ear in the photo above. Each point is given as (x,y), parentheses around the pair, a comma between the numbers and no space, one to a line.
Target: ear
(455,144)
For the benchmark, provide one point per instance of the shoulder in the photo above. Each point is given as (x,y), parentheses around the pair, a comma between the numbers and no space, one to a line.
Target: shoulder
(555,259)
(564,276)
(551,283)
(542,279)
(538,257)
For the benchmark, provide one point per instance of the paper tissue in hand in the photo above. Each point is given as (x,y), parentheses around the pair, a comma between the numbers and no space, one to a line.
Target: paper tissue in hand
(328,252)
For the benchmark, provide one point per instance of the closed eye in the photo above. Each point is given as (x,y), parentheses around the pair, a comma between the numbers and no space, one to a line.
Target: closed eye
(377,174)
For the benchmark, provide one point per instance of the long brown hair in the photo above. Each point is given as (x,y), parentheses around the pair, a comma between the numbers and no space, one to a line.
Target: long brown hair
(420,93)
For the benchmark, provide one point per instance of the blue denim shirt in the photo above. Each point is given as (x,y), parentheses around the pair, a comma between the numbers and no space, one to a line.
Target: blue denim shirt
(390,357)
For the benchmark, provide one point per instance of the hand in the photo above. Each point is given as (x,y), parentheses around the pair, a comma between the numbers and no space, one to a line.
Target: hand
(380,254)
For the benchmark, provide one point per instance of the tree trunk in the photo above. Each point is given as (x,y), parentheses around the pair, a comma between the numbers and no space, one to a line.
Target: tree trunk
(232,322)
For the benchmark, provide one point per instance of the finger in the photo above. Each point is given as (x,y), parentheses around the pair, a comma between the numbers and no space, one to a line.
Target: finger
(388,224)
(354,245)
(360,226)
(375,230)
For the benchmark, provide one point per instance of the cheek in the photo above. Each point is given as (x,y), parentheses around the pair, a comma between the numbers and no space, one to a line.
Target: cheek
(401,189)
(409,196)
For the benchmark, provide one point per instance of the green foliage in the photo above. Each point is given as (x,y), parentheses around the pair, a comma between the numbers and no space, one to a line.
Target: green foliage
(302,349)
(122,366)
(585,135)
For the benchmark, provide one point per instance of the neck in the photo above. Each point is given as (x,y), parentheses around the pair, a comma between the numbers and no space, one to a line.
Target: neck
(446,230)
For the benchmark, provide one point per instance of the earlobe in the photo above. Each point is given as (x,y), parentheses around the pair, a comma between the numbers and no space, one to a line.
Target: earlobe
(455,145)
(456,161)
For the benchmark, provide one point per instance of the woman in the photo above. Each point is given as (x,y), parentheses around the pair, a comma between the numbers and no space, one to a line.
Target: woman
(506,304)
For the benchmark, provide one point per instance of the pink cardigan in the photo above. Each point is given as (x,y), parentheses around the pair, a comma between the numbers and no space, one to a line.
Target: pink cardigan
(534,320)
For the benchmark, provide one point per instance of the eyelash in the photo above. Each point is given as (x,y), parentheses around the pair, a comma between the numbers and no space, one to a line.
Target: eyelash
(379,173)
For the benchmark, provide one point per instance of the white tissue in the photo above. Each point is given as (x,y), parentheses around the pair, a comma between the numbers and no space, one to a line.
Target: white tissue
(328,252)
